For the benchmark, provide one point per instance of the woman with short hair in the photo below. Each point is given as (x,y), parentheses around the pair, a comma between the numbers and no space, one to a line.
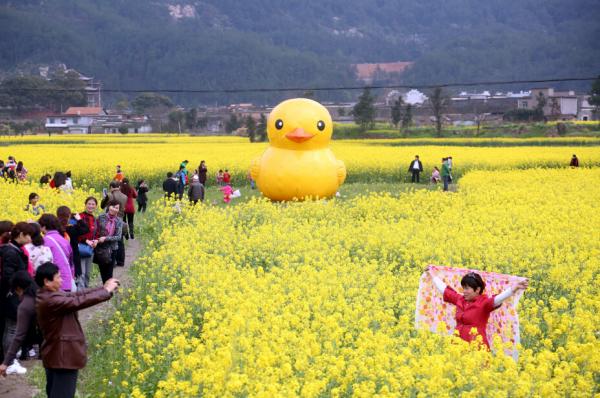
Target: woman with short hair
(108,235)
(13,259)
(473,308)
(64,349)
(87,241)
(129,212)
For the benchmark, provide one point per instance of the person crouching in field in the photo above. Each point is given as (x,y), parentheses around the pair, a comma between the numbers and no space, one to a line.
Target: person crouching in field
(473,308)
(435,175)
(64,348)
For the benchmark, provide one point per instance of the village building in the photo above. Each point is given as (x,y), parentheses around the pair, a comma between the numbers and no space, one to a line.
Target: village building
(559,105)
(95,120)
(370,72)
(585,111)
(93,92)
(76,120)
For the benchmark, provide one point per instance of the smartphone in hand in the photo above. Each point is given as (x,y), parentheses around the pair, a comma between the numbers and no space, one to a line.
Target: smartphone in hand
(104,192)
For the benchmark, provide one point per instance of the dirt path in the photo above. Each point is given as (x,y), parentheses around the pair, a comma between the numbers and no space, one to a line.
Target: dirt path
(15,386)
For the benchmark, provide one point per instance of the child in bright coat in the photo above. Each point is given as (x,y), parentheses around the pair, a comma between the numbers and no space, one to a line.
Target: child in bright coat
(227,192)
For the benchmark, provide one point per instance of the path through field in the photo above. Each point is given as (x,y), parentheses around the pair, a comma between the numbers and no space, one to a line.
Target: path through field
(16,386)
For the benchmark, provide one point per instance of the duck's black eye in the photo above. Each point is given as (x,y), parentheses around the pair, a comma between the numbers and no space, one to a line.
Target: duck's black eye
(279,124)
(321,125)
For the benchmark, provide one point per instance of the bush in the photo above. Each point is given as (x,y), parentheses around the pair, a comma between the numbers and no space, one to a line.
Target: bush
(524,115)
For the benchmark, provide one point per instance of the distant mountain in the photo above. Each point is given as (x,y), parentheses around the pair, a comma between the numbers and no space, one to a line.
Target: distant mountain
(227,44)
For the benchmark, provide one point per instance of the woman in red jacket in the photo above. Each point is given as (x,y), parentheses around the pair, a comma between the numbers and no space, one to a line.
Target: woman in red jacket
(473,308)
(86,241)
(131,194)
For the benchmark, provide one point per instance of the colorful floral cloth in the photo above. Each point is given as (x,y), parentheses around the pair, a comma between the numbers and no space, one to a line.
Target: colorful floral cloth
(432,310)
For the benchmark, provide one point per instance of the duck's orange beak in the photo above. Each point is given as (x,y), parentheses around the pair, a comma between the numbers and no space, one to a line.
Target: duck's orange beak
(298,135)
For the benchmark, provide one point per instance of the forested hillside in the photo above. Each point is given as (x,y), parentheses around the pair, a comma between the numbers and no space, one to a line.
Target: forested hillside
(224,44)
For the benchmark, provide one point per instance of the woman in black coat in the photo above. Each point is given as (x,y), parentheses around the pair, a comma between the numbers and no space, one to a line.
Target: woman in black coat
(13,260)
(202,173)
(142,195)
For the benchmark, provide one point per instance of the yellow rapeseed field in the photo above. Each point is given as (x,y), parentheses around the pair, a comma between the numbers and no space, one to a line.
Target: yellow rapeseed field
(14,199)
(92,159)
(317,299)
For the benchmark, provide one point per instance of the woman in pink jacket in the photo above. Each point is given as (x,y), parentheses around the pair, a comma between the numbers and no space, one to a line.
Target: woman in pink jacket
(60,248)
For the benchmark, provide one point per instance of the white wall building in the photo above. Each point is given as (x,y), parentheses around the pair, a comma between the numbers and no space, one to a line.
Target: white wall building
(76,120)
(94,120)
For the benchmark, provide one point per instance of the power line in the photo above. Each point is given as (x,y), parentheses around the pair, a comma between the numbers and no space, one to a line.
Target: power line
(348,88)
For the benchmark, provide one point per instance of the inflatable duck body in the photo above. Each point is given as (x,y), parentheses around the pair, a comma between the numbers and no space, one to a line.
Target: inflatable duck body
(298,164)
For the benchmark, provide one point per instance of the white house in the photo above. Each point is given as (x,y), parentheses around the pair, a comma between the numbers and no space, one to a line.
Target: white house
(76,120)
(586,111)
(94,120)
(560,105)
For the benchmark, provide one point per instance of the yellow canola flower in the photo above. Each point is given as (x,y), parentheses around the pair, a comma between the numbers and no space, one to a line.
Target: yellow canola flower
(93,158)
(15,197)
(317,298)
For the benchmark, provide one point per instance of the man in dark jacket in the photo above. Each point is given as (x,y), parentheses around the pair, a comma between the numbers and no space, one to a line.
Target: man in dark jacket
(574,161)
(196,190)
(170,185)
(64,348)
(416,167)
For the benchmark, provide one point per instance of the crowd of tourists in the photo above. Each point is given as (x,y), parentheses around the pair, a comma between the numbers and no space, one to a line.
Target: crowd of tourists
(175,185)
(445,175)
(12,170)
(46,267)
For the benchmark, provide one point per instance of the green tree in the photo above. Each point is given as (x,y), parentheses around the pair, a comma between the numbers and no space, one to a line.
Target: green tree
(261,128)
(176,119)
(122,105)
(27,92)
(24,92)
(232,124)
(364,110)
(251,127)
(67,90)
(397,111)
(439,102)
(407,117)
(541,101)
(191,118)
(202,122)
(148,101)
(555,108)
(539,107)
(595,98)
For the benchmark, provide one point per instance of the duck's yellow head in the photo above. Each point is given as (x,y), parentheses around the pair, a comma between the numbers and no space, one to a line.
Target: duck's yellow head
(300,124)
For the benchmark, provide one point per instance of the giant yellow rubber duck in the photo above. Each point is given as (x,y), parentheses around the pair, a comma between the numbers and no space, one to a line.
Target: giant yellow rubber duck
(298,163)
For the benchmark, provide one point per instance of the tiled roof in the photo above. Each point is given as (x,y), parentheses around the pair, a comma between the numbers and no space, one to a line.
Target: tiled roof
(366,71)
(84,110)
